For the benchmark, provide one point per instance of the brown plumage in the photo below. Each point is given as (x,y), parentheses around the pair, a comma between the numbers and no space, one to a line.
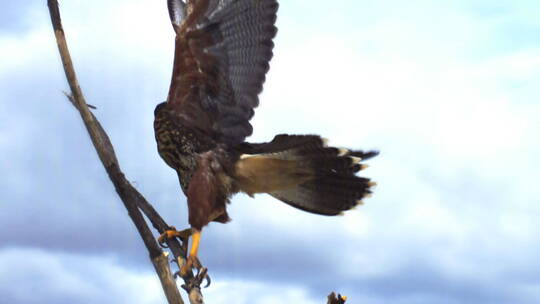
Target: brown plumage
(222,54)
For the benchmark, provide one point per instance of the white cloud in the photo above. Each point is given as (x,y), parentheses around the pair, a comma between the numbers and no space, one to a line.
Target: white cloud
(37,276)
(21,51)
(247,292)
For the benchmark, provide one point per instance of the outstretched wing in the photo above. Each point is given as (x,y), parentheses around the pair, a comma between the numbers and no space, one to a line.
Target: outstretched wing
(222,52)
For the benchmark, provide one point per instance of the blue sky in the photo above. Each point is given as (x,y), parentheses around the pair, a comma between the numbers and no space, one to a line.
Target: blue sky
(447,91)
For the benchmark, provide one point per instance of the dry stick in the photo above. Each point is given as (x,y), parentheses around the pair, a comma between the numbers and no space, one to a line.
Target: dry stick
(178,249)
(131,198)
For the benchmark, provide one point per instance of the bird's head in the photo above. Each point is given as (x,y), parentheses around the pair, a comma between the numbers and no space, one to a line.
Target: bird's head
(160,108)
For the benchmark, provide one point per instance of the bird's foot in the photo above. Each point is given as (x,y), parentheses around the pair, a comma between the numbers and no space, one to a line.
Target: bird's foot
(199,276)
(172,233)
(191,262)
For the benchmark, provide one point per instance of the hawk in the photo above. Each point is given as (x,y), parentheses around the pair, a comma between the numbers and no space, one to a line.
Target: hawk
(221,57)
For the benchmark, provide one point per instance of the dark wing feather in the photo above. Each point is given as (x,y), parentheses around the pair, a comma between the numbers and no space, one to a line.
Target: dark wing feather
(222,52)
(177,12)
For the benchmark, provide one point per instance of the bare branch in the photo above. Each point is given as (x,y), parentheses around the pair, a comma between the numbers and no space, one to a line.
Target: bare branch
(131,198)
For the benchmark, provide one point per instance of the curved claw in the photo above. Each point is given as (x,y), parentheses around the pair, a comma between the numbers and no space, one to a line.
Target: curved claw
(207,277)
(202,274)
(162,240)
(198,277)
(185,287)
(173,233)
(197,280)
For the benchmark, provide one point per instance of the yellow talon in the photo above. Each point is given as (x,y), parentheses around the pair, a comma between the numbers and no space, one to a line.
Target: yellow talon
(192,257)
(172,233)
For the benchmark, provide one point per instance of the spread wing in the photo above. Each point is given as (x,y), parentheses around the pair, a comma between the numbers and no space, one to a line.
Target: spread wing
(222,52)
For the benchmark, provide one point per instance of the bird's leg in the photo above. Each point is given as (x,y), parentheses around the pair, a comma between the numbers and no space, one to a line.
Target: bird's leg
(172,233)
(192,259)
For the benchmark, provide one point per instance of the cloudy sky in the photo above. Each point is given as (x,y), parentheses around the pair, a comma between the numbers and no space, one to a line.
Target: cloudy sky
(447,91)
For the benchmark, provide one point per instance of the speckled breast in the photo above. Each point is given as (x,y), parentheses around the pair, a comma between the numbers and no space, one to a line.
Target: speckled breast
(179,147)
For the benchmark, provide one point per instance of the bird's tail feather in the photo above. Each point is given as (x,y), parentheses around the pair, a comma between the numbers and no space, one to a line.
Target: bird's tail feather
(302,171)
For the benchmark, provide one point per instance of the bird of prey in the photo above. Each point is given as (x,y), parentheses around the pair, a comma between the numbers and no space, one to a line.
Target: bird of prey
(222,54)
